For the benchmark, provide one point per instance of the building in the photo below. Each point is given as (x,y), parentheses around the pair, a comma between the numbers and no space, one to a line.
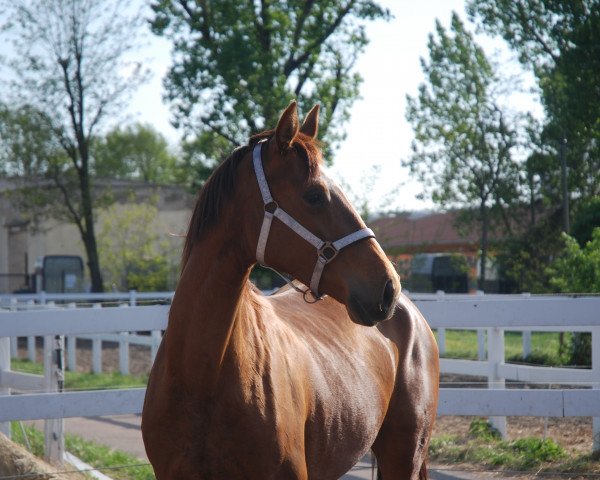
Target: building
(21,242)
(405,235)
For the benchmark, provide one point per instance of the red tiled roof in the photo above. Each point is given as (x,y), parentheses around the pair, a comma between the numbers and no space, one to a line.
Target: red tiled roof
(431,232)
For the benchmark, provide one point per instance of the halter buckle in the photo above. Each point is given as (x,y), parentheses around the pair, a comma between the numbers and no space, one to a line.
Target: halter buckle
(327,252)
(271,207)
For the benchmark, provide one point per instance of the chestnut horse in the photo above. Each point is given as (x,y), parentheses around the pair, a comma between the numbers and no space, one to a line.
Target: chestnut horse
(300,384)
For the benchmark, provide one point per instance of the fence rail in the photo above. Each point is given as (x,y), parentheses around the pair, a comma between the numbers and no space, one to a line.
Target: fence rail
(490,314)
(41,298)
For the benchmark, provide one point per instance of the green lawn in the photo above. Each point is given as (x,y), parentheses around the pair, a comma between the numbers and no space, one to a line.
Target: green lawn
(544,346)
(114,463)
(85,381)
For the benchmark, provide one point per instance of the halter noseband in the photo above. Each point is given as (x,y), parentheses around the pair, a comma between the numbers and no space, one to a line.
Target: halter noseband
(326,251)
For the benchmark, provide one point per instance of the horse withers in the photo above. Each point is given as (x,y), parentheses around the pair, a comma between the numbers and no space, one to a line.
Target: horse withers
(302,383)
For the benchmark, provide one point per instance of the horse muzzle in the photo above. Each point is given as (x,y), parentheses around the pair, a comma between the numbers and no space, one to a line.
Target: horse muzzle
(370,311)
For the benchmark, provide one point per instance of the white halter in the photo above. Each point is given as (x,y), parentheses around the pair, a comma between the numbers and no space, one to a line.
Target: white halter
(326,251)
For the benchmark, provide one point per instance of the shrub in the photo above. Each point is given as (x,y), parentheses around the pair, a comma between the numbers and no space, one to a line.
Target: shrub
(483,430)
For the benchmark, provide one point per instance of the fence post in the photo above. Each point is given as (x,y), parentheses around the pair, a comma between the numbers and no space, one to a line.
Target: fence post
(31,349)
(441,332)
(72,353)
(526,335)
(96,355)
(124,353)
(124,347)
(596,384)
(495,358)
(71,348)
(132,298)
(97,350)
(31,341)
(5,365)
(480,335)
(156,339)
(526,341)
(14,347)
(54,446)
(480,344)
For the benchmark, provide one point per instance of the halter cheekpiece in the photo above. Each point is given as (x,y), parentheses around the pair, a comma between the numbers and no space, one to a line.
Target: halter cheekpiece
(326,251)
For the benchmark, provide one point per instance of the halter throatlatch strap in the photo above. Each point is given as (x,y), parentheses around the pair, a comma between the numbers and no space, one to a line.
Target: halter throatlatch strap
(326,251)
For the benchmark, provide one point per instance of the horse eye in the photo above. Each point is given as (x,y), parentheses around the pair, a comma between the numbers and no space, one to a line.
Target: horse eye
(315,197)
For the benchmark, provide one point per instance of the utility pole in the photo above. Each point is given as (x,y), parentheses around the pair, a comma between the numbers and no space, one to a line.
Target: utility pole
(564,184)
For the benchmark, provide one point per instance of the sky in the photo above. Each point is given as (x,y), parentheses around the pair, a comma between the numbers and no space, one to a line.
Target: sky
(368,162)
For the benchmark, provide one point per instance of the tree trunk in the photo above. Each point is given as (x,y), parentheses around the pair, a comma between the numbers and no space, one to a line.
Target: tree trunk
(89,235)
(483,245)
(89,240)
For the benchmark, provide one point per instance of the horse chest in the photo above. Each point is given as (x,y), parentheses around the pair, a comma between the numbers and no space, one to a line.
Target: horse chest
(349,406)
(321,416)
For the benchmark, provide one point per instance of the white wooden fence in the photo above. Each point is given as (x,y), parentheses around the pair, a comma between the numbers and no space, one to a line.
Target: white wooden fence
(45,301)
(492,313)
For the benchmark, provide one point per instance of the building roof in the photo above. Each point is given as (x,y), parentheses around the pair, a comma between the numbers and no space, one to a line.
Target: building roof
(424,232)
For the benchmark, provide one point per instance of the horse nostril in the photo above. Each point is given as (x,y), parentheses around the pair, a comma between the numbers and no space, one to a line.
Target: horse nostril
(387,298)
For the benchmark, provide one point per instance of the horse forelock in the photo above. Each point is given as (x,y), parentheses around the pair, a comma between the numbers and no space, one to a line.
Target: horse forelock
(220,185)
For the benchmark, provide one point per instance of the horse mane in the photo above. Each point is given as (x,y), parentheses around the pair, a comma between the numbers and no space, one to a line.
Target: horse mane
(220,185)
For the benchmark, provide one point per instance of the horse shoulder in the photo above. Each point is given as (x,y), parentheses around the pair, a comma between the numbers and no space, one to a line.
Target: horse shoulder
(347,376)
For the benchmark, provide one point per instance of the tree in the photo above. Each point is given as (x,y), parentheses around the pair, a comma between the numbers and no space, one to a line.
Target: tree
(463,140)
(67,62)
(237,64)
(587,218)
(523,258)
(135,152)
(577,270)
(135,253)
(26,145)
(558,41)
(40,172)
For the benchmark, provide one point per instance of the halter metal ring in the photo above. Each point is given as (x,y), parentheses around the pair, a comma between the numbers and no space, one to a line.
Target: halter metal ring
(271,206)
(308,293)
(328,252)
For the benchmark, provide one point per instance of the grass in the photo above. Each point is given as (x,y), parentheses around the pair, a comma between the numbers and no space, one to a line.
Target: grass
(114,463)
(84,380)
(545,346)
(484,447)
(90,452)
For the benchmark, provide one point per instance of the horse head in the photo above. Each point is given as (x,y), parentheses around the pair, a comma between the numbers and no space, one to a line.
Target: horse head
(305,226)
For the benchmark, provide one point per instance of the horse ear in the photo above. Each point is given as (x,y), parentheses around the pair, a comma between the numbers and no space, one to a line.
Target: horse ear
(288,126)
(310,126)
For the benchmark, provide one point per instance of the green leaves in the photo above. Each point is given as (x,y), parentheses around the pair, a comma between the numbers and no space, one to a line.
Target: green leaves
(237,65)
(577,270)
(70,62)
(558,41)
(136,152)
(463,141)
(135,249)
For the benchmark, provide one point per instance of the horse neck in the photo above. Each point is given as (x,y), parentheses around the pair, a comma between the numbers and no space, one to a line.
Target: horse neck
(212,295)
